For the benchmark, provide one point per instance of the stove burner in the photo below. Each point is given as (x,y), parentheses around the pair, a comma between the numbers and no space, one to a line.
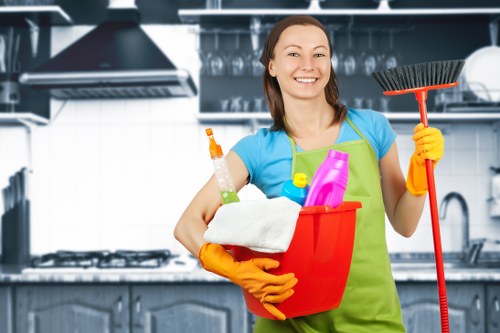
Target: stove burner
(103,259)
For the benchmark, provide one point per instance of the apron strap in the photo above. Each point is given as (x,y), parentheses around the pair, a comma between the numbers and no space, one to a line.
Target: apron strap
(364,139)
(294,154)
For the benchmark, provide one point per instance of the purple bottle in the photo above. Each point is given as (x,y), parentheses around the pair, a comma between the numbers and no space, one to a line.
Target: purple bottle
(330,180)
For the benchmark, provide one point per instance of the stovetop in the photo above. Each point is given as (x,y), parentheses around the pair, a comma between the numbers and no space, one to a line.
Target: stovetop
(103,259)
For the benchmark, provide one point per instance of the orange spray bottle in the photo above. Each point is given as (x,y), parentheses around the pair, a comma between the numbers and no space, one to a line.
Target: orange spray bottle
(221,171)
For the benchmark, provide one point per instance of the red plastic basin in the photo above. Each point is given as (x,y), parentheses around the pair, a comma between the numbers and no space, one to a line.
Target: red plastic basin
(320,256)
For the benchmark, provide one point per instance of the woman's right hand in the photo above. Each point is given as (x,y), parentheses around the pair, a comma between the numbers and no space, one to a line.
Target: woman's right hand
(251,275)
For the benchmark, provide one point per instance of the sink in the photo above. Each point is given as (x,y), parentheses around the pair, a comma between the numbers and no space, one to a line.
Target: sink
(431,265)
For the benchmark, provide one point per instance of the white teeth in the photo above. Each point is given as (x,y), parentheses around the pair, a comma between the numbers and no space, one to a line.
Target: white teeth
(305,80)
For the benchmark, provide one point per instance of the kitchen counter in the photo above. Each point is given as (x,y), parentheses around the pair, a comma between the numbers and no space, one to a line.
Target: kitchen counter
(402,272)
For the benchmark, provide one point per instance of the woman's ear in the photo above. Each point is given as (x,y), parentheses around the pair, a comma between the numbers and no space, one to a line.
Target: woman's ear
(271,68)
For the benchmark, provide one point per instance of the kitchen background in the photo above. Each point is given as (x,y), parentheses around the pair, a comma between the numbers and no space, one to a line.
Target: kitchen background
(111,174)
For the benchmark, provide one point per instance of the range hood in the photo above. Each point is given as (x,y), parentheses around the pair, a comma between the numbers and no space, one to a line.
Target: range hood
(115,60)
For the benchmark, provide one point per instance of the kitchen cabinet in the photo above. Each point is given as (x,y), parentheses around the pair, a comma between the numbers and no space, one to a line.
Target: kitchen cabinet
(41,15)
(6,309)
(420,307)
(425,37)
(493,308)
(29,26)
(62,309)
(186,308)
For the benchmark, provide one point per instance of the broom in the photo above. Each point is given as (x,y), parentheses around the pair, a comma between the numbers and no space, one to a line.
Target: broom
(419,79)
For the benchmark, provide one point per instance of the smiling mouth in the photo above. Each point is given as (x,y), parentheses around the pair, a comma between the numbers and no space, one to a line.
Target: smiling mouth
(305,80)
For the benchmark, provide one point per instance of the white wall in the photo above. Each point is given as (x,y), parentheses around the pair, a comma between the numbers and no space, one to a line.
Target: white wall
(116,174)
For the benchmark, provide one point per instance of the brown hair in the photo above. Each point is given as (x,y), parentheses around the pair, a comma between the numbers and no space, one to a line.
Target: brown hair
(271,86)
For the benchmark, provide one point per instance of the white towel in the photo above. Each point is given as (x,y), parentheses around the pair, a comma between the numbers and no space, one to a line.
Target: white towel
(265,225)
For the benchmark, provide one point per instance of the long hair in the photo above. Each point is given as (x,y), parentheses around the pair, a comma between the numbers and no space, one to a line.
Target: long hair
(272,89)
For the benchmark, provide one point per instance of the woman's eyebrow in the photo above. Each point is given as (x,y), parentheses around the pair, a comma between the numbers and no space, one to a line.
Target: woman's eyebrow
(297,46)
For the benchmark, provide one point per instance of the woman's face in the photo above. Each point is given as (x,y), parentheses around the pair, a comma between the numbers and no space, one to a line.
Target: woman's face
(301,62)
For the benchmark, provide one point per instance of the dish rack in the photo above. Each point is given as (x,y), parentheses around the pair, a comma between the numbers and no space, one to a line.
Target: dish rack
(464,99)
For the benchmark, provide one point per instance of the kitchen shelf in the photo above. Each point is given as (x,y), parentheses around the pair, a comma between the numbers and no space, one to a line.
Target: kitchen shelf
(394,117)
(21,119)
(218,15)
(41,15)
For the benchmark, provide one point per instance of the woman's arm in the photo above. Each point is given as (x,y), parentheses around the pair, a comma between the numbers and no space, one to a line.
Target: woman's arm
(193,222)
(402,208)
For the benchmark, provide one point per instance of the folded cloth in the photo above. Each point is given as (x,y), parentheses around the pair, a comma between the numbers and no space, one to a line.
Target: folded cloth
(265,225)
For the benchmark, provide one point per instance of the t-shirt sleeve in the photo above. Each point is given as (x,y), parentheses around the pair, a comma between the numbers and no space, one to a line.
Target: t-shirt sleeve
(385,135)
(248,149)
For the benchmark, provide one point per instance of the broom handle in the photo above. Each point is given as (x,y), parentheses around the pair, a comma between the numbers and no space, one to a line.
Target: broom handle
(421,96)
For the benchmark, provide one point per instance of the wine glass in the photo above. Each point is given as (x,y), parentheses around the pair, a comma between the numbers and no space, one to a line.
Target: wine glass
(256,68)
(216,61)
(204,70)
(349,60)
(335,55)
(237,60)
(369,59)
(392,58)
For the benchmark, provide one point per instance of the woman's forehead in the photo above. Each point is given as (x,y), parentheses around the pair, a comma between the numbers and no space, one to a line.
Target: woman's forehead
(303,34)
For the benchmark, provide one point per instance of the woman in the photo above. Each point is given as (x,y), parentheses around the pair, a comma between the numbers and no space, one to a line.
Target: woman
(302,94)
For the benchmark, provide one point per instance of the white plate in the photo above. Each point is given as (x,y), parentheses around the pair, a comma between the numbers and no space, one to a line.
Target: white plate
(482,73)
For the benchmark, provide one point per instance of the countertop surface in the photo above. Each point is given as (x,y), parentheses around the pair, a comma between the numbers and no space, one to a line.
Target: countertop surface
(186,269)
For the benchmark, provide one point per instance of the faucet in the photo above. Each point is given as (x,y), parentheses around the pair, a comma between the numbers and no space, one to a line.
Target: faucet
(465,223)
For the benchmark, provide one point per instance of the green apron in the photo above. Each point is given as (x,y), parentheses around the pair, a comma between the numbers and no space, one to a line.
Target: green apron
(370,303)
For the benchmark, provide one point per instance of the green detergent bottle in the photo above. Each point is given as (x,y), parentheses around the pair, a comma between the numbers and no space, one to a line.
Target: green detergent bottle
(224,179)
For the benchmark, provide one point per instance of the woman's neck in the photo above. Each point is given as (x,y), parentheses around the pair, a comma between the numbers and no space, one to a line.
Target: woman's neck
(307,118)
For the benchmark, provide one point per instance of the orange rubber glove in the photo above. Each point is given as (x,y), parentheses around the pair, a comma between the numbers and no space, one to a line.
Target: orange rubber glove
(429,144)
(250,275)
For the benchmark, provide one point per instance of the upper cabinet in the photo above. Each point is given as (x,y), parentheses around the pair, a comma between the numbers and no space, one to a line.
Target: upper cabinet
(25,43)
(394,33)
(39,15)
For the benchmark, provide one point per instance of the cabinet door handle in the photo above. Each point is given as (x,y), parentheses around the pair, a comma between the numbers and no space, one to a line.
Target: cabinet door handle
(476,311)
(495,312)
(118,312)
(139,316)
(138,305)
(119,305)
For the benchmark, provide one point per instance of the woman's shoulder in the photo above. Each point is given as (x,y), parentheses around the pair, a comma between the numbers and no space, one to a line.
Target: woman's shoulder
(364,115)
(367,118)
(263,137)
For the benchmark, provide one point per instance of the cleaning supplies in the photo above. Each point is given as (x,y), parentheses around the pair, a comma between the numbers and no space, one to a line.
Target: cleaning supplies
(296,189)
(265,225)
(330,180)
(224,179)
(419,79)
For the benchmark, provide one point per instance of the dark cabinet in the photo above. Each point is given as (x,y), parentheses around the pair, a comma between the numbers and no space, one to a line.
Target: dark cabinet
(421,312)
(63,309)
(6,310)
(186,308)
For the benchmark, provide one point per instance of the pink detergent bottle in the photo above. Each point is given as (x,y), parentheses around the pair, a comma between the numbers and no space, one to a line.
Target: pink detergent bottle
(330,180)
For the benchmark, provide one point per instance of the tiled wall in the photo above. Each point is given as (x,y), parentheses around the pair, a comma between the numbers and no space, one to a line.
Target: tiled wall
(118,174)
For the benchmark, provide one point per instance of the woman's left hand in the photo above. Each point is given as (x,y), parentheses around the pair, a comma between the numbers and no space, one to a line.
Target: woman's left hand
(429,144)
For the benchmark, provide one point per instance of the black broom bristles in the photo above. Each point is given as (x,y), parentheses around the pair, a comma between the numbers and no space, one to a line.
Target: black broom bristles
(419,75)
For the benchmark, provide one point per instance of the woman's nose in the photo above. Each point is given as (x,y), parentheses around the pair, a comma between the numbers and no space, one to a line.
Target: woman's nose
(306,63)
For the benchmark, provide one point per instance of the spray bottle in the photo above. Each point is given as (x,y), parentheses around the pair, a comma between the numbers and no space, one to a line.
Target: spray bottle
(224,179)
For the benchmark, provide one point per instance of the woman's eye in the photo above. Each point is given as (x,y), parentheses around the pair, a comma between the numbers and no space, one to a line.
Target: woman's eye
(293,54)
(318,55)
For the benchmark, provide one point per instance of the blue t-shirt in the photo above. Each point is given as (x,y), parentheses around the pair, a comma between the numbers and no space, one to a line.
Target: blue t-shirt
(268,155)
